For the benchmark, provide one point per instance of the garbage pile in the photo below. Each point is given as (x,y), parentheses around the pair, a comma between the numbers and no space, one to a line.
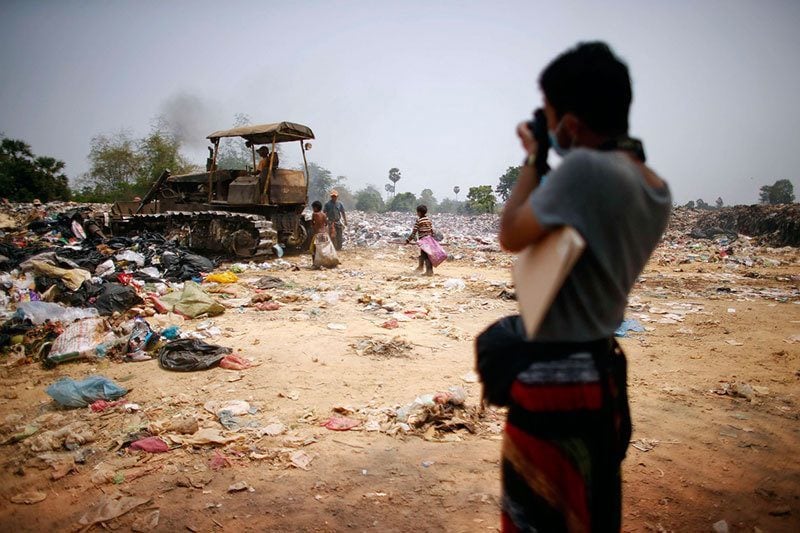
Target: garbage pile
(375,230)
(771,225)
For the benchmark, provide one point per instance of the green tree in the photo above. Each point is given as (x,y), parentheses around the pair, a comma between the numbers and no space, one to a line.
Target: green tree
(507,182)
(780,192)
(320,183)
(158,151)
(426,197)
(480,199)
(404,202)
(121,167)
(448,205)
(24,176)
(369,199)
(114,165)
(234,152)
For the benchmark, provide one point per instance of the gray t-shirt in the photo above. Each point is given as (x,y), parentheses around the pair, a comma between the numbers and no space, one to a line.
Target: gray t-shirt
(604,196)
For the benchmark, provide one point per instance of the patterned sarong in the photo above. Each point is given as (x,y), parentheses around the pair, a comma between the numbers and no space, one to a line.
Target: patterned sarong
(567,431)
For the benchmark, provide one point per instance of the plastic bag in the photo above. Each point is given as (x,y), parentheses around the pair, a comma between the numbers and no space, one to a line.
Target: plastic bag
(192,302)
(435,252)
(185,266)
(142,338)
(188,355)
(115,297)
(85,339)
(324,251)
(73,278)
(40,312)
(71,393)
(131,257)
(150,445)
(222,277)
(234,362)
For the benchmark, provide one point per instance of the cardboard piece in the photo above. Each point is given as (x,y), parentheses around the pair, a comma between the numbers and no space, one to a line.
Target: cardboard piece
(540,271)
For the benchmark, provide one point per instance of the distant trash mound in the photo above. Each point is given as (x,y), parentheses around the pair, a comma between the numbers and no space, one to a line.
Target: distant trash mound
(771,225)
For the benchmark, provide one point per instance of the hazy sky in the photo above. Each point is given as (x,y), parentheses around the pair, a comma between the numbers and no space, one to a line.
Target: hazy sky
(434,88)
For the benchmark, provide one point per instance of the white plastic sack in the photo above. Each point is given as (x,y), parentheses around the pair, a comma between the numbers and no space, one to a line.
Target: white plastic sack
(324,252)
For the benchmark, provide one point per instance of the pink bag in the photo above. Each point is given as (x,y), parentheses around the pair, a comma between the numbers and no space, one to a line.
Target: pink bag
(435,252)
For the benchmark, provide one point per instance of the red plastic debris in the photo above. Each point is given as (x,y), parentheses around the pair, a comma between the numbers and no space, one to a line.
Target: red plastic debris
(150,445)
(391,324)
(98,406)
(219,461)
(234,362)
(341,423)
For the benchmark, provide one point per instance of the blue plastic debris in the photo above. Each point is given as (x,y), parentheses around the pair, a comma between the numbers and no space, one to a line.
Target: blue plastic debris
(629,324)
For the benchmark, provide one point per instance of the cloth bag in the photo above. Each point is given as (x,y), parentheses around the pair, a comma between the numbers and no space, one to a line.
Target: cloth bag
(435,252)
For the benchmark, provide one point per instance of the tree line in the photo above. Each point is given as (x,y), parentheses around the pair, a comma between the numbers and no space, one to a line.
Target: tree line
(122,167)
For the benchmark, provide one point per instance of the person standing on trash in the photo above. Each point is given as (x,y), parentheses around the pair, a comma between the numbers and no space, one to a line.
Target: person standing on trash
(568,422)
(423,227)
(337,219)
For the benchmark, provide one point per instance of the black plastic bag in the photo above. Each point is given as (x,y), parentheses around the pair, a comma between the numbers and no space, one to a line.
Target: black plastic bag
(188,355)
(114,297)
(185,266)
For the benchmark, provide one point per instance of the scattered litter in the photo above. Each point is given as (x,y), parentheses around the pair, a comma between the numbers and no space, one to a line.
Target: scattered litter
(341,423)
(188,355)
(109,508)
(150,445)
(629,324)
(455,284)
(239,486)
(395,347)
(300,459)
(28,498)
(70,393)
(335,326)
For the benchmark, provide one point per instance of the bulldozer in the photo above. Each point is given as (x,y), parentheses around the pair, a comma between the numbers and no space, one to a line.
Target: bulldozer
(234,212)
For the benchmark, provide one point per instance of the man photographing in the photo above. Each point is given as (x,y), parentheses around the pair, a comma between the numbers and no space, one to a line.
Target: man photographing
(568,425)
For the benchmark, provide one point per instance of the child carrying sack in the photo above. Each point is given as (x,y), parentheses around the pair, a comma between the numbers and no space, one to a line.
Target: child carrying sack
(435,252)
(324,252)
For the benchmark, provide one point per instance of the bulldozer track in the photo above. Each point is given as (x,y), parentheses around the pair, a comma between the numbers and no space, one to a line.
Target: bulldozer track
(241,234)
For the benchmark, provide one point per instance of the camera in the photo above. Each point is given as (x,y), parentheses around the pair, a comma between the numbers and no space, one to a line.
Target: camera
(538,127)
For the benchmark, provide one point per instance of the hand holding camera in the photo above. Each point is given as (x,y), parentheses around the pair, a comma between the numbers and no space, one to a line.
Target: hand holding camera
(536,141)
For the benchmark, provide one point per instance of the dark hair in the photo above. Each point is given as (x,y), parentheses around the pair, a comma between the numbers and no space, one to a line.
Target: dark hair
(316,206)
(593,83)
(422,209)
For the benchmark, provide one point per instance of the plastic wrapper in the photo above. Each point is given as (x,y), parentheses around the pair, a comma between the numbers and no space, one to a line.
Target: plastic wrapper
(188,355)
(222,277)
(70,393)
(131,257)
(40,312)
(85,339)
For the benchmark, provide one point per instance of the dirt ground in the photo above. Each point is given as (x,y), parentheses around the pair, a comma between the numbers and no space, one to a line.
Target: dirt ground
(700,453)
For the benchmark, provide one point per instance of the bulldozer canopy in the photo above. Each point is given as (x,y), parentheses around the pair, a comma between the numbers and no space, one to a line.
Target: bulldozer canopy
(264,133)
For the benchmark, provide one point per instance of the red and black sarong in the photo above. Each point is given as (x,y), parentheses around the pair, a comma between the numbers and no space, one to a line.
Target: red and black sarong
(566,434)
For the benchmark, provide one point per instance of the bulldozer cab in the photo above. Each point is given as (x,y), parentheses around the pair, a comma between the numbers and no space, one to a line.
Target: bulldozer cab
(271,185)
